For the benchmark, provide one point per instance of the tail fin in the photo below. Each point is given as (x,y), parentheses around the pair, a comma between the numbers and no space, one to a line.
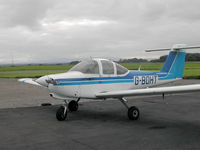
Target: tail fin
(174,64)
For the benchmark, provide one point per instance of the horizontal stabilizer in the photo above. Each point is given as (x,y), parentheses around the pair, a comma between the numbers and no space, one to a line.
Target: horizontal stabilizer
(161,49)
(176,47)
(150,91)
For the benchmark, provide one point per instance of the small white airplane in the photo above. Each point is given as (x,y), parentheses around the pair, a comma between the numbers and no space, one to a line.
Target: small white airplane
(103,79)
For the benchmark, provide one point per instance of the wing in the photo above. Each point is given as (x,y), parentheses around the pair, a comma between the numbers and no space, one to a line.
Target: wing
(150,91)
(29,81)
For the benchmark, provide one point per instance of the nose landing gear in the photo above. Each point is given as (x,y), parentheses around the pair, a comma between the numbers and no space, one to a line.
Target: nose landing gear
(61,113)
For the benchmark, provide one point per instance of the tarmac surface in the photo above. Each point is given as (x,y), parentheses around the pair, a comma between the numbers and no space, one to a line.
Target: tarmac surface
(172,124)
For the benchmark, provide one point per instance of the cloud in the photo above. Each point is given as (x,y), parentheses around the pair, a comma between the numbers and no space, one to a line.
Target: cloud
(42,30)
(23,12)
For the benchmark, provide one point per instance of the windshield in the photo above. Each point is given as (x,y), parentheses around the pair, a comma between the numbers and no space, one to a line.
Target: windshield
(87,67)
(120,69)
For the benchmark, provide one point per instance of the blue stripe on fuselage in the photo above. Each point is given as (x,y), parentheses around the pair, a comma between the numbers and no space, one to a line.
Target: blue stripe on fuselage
(94,82)
(108,80)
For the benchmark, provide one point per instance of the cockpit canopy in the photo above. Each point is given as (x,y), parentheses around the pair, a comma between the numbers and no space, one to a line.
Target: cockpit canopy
(87,67)
(99,66)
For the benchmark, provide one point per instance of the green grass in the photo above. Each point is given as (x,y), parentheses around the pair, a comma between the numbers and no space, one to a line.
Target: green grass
(192,69)
(28,68)
(191,74)
(27,75)
(144,66)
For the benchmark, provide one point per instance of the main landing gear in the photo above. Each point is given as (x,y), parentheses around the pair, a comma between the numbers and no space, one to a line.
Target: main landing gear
(62,111)
(133,112)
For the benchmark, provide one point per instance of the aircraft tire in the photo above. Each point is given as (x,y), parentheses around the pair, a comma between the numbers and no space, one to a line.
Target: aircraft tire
(73,105)
(61,114)
(133,113)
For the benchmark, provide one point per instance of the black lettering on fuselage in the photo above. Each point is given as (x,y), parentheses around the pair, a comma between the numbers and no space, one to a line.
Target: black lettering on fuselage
(145,80)
(137,80)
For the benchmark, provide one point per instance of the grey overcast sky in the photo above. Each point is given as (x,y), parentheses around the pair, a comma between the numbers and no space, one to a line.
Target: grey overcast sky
(50,30)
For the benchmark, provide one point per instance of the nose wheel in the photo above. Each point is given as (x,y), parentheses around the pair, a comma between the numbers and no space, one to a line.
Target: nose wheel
(61,113)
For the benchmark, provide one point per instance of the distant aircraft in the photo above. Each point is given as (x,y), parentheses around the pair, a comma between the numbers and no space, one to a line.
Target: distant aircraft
(103,79)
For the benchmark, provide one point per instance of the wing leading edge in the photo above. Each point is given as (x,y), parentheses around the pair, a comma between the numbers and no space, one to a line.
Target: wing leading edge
(150,91)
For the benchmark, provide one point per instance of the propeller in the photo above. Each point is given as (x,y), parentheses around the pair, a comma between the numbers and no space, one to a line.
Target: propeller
(51,81)
(46,80)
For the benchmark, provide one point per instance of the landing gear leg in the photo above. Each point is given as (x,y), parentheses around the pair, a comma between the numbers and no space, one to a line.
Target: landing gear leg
(61,113)
(133,111)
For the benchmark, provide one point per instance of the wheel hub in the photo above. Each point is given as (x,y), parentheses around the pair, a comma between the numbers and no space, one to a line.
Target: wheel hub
(135,113)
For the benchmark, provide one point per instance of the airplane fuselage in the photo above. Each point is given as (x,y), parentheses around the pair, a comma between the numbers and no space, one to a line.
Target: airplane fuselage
(78,85)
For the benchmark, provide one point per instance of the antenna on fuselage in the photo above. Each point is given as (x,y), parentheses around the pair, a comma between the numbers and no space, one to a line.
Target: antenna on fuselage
(139,69)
